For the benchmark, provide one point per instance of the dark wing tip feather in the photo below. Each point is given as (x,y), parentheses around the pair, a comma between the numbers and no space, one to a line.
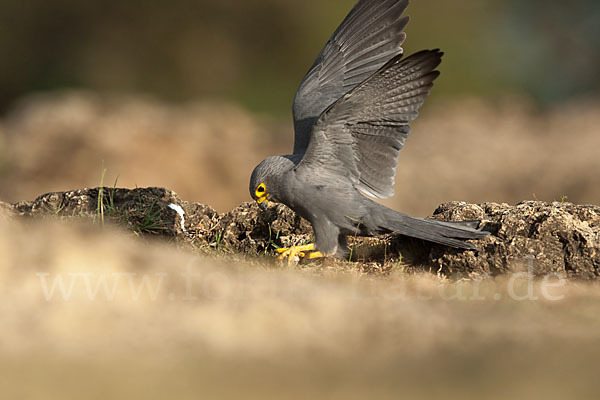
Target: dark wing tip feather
(369,36)
(434,57)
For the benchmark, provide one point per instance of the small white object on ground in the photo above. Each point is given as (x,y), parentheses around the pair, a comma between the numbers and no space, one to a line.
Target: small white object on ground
(179,211)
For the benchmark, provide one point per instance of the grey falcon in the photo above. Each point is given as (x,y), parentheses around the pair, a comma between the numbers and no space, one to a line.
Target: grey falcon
(351,119)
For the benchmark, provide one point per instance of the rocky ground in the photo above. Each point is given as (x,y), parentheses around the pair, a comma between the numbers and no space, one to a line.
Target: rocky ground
(545,238)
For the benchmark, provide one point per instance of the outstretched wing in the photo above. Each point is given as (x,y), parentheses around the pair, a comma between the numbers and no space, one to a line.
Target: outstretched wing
(360,136)
(368,37)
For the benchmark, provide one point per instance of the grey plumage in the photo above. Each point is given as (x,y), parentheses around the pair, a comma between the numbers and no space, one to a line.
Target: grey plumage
(368,37)
(362,133)
(351,119)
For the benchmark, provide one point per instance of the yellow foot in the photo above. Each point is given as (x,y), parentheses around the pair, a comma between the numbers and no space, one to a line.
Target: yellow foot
(291,252)
(299,251)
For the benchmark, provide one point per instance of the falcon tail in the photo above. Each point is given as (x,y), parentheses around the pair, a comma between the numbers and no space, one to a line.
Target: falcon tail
(448,233)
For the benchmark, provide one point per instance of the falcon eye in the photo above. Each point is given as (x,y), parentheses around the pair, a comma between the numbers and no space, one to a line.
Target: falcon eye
(261,190)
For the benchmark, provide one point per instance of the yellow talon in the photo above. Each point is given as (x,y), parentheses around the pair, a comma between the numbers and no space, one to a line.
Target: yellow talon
(296,249)
(315,254)
(299,251)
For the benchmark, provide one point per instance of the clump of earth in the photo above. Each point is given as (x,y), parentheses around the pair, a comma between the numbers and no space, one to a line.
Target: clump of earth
(532,236)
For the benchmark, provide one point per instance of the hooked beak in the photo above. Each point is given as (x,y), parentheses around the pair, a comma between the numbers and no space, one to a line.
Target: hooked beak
(262,202)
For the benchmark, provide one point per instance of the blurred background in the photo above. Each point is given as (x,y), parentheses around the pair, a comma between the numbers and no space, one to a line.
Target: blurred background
(191,95)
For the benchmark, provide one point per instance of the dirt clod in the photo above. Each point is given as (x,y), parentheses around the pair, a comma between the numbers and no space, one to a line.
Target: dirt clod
(533,235)
(246,228)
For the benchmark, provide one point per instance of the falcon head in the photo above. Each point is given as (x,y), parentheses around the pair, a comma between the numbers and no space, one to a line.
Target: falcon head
(265,182)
